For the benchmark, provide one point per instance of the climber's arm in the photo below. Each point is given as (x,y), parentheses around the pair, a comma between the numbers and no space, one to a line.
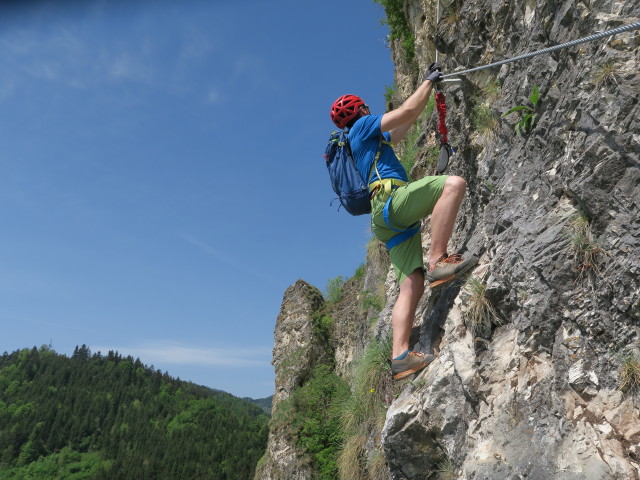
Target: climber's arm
(399,121)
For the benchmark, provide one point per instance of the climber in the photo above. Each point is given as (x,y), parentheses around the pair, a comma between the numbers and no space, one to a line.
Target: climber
(397,222)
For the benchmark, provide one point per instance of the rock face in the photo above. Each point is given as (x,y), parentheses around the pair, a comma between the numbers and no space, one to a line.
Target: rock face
(295,352)
(554,215)
(529,380)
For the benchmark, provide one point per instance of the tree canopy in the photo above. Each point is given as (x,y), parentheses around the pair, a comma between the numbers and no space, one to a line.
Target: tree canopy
(95,416)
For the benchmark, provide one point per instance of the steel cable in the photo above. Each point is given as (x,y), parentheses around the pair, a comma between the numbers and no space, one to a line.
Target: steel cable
(595,36)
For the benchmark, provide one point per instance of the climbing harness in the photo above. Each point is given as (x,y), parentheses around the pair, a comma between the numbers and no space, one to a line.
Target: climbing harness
(595,36)
(388,185)
(402,235)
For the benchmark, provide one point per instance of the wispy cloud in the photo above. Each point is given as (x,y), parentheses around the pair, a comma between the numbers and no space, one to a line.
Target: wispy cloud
(55,51)
(7,88)
(33,283)
(56,54)
(70,54)
(213,96)
(251,269)
(196,44)
(128,66)
(205,248)
(169,353)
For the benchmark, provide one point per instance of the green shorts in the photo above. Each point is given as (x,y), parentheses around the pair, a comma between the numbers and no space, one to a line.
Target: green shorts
(410,204)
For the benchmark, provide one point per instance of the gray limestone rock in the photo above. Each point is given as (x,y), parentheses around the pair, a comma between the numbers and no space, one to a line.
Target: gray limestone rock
(295,352)
(539,396)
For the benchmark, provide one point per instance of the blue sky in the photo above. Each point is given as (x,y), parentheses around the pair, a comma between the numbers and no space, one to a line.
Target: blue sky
(161,173)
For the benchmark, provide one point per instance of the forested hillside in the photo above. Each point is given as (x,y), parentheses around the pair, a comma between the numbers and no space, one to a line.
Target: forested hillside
(93,416)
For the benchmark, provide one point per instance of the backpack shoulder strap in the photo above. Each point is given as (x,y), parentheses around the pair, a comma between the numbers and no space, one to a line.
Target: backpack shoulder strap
(375,160)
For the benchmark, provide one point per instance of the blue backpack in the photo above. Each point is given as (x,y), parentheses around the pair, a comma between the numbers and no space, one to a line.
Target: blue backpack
(346,181)
(352,190)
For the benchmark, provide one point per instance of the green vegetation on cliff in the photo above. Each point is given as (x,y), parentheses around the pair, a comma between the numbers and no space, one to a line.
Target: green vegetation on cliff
(327,417)
(398,27)
(111,417)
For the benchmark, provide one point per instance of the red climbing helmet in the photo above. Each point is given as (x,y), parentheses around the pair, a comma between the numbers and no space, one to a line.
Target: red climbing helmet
(345,109)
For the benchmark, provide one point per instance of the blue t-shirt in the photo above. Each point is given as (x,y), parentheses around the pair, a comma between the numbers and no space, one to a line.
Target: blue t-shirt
(364,138)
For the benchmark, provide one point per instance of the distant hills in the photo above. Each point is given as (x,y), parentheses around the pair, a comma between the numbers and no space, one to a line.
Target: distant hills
(264,403)
(94,416)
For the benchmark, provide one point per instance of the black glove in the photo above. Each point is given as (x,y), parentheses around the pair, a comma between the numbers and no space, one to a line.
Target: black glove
(433,67)
(435,77)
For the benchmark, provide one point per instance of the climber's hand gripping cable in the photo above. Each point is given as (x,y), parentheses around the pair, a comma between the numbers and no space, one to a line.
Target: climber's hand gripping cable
(434,74)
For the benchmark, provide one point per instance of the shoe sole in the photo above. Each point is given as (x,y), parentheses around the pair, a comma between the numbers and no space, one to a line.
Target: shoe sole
(440,282)
(437,283)
(411,371)
(406,373)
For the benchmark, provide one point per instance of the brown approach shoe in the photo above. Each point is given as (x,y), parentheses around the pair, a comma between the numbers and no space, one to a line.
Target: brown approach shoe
(448,268)
(413,362)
